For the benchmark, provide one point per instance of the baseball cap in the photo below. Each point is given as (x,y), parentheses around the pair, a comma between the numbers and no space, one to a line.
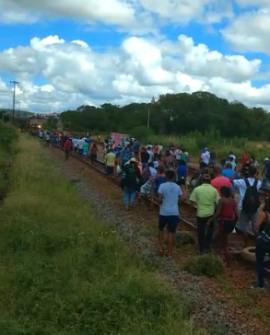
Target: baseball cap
(133,159)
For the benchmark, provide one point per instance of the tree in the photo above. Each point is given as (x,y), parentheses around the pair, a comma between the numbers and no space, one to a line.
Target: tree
(174,114)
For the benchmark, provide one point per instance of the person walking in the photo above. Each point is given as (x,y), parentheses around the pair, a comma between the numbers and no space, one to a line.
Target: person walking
(130,182)
(249,201)
(262,242)
(228,215)
(168,196)
(205,197)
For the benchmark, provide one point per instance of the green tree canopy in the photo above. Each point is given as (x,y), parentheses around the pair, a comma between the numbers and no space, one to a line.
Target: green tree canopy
(174,114)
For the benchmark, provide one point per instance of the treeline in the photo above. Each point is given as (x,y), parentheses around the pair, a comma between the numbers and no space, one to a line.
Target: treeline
(174,114)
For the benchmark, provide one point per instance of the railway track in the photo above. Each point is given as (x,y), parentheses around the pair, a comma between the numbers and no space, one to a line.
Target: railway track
(188,213)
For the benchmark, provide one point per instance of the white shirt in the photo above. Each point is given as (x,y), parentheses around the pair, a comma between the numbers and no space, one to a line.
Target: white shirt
(242,187)
(177,154)
(233,157)
(75,142)
(205,157)
(153,171)
(160,148)
(151,156)
(80,144)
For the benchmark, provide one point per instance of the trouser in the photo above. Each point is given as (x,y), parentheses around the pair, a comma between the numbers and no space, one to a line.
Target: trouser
(129,196)
(260,252)
(205,233)
(93,158)
(67,153)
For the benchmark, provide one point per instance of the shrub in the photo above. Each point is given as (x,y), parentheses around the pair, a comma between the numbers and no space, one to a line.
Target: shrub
(205,265)
(183,238)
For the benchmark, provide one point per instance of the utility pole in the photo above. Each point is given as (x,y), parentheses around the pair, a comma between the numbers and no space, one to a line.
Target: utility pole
(14,83)
(153,101)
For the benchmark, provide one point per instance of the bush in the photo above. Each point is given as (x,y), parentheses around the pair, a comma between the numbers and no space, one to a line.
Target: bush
(65,272)
(141,133)
(205,265)
(182,238)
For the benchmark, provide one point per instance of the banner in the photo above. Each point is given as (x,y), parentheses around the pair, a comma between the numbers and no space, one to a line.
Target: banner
(117,137)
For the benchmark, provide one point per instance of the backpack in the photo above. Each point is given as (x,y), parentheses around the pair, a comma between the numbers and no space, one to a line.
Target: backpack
(131,175)
(251,201)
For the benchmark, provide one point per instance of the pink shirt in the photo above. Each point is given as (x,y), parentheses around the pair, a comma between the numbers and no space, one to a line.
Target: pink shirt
(220,181)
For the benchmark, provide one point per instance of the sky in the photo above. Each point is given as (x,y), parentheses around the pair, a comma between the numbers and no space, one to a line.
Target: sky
(67,53)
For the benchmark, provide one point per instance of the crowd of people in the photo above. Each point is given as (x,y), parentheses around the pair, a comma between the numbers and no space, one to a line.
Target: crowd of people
(159,173)
(164,172)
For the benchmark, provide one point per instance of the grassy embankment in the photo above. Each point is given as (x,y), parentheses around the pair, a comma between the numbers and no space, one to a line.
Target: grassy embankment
(8,137)
(63,271)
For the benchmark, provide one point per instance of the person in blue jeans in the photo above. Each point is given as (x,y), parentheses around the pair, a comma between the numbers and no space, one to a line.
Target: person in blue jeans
(130,183)
(262,243)
(168,195)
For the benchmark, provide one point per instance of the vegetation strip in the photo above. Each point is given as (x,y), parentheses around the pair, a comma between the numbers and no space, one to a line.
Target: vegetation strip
(63,271)
(8,139)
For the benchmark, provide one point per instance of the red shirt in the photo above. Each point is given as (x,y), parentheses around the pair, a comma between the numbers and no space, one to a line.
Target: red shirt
(220,181)
(68,145)
(244,158)
(228,210)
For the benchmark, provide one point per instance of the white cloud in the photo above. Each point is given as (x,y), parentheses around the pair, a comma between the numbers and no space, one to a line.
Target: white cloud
(140,68)
(139,15)
(183,11)
(120,13)
(250,31)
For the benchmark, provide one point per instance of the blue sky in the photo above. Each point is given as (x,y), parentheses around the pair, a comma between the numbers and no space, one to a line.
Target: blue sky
(218,26)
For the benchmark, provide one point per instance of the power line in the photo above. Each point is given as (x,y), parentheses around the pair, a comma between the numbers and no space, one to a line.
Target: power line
(14,83)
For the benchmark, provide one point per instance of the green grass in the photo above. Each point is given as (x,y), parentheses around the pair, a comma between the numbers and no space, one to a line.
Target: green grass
(64,272)
(8,138)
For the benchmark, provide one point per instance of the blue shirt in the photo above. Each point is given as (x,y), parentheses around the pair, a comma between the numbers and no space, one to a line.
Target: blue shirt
(159,181)
(126,154)
(170,193)
(228,173)
(182,170)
